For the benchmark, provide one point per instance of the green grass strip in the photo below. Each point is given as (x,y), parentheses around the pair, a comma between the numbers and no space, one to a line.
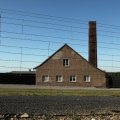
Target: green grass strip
(57,92)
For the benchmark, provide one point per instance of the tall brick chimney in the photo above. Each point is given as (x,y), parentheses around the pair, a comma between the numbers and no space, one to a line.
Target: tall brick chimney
(92,43)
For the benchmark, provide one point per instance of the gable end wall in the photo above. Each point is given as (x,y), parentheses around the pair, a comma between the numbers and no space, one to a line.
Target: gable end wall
(78,67)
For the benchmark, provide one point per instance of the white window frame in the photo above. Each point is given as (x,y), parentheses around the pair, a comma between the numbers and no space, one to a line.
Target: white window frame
(59,78)
(87,78)
(72,78)
(66,62)
(45,78)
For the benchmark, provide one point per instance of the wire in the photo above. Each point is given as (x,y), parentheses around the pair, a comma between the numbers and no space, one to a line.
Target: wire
(23,53)
(23,13)
(43,16)
(110,66)
(14,67)
(13,60)
(108,60)
(55,42)
(38,62)
(46,27)
(39,35)
(103,54)
(48,23)
(54,36)
(3,45)
(25,47)
(53,39)
(103,47)
(26,25)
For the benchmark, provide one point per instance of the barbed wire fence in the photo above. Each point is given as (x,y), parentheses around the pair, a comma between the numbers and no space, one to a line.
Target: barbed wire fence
(27,39)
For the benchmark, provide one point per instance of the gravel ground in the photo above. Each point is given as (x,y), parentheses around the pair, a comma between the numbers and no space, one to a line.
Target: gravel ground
(58,104)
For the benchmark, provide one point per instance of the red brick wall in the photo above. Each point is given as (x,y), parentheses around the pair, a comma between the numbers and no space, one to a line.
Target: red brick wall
(78,67)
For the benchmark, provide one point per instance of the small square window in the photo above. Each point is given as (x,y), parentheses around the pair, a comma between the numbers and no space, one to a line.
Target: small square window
(72,78)
(58,78)
(65,62)
(45,78)
(87,78)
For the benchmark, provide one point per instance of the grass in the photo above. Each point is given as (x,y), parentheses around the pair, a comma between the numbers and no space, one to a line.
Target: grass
(58,92)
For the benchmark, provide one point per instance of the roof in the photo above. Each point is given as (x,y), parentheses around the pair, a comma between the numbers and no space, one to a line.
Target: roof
(52,55)
(65,45)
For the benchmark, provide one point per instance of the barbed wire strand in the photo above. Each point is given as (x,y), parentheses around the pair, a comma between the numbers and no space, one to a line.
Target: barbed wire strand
(24,13)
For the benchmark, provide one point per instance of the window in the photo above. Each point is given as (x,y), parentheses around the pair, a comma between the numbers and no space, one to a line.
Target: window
(87,78)
(58,78)
(72,78)
(45,78)
(65,62)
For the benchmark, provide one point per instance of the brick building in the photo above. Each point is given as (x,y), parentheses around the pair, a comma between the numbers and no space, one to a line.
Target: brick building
(68,68)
